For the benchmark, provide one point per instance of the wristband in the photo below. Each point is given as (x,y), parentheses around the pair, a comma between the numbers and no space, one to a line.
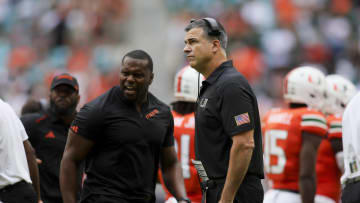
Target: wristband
(184,199)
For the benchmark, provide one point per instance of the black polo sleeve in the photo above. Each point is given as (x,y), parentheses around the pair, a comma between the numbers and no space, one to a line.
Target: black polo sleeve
(88,122)
(236,111)
(29,123)
(169,137)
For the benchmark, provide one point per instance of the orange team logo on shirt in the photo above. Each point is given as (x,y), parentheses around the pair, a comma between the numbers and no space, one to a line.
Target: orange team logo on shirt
(152,114)
(75,128)
(50,135)
(41,118)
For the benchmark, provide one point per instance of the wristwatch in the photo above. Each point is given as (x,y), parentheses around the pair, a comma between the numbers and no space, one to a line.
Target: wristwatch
(184,199)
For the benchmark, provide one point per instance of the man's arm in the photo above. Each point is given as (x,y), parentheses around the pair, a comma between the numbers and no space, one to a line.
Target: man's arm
(172,173)
(307,179)
(33,167)
(76,149)
(240,157)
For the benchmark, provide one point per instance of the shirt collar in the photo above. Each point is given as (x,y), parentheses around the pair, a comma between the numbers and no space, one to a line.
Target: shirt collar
(120,94)
(218,71)
(53,118)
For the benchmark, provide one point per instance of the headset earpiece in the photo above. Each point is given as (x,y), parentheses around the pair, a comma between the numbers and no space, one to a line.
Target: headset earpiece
(213,25)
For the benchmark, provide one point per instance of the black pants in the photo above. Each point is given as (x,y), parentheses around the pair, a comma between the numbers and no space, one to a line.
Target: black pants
(351,193)
(250,191)
(47,199)
(97,198)
(19,192)
(102,198)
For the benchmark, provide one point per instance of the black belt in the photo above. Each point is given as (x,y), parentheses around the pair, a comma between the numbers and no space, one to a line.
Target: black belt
(352,180)
(212,183)
(10,187)
(209,184)
(205,185)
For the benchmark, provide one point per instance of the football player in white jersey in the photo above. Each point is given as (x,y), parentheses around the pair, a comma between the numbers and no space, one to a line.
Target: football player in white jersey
(351,148)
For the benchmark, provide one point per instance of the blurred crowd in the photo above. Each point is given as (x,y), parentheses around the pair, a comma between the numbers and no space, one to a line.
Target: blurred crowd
(39,38)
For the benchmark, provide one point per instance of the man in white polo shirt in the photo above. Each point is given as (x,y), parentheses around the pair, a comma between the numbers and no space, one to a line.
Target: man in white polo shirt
(351,148)
(18,168)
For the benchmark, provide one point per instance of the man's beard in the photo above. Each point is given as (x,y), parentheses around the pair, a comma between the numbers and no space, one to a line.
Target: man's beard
(63,111)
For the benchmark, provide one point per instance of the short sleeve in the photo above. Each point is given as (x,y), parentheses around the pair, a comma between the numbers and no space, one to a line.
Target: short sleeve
(28,121)
(10,120)
(236,111)
(335,129)
(314,123)
(169,137)
(21,128)
(2,128)
(88,122)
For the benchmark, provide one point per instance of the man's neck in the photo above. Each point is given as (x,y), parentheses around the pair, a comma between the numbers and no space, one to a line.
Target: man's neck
(139,104)
(213,65)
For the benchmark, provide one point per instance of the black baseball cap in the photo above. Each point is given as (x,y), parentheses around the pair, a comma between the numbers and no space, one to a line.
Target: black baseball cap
(65,79)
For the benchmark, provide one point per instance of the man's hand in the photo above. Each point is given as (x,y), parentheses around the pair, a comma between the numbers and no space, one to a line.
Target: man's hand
(172,173)
(171,200)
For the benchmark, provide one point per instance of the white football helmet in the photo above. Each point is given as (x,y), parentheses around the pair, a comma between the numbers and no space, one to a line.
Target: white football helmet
(305,85)
(338,93)
(186,84)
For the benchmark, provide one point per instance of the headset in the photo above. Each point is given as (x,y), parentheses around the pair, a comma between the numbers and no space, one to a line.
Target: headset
(214,31)
(212,24)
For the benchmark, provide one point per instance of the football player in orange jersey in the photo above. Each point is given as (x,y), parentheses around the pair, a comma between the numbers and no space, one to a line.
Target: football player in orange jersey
(330,163)
(292,137)
(186,91)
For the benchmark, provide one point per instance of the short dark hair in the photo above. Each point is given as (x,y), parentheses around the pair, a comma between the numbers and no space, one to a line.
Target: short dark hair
(183,107)
(31,106)
(208,32)
(139,54)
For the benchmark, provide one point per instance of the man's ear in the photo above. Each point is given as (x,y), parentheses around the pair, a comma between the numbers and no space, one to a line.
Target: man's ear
(49,95)
(151,78)
(78,99)
(216,46)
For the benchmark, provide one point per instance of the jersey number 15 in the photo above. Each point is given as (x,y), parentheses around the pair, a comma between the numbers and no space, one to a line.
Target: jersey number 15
(273,150)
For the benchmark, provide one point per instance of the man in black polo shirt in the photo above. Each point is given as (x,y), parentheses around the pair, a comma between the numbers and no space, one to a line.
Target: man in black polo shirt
(227,124)
(47,131)
(123,135)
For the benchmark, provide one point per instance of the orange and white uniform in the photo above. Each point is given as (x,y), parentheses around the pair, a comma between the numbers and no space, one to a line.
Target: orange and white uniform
(282,130)
(327,171)
(184,133)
